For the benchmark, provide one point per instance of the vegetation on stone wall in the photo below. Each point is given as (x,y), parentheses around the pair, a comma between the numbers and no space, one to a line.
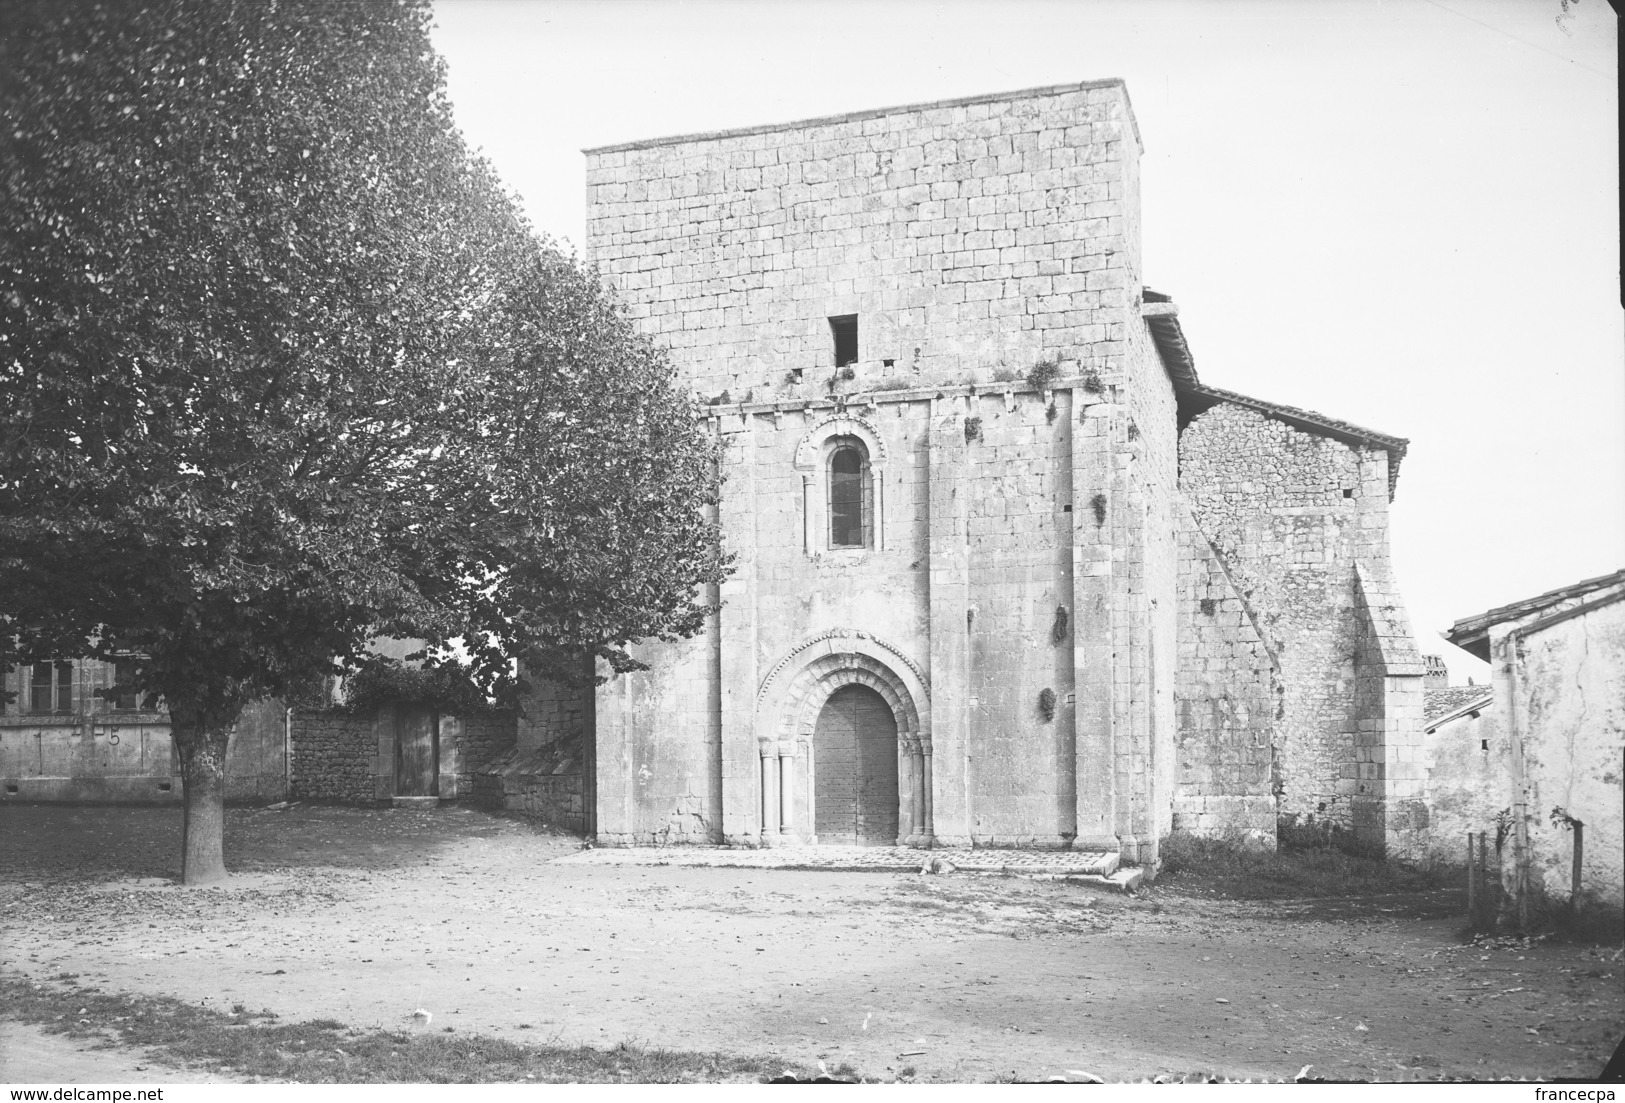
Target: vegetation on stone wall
(283,368)
(447,685)
(1046,704)
(1042,374)
(1057,631)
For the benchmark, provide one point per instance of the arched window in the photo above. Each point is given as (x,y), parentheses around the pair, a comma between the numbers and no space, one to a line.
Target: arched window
(850,512)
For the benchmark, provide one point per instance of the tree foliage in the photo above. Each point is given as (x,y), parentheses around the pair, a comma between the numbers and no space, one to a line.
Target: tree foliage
(446,686)
(282,368)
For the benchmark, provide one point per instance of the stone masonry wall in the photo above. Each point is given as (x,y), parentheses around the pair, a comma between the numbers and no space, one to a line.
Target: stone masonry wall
(481,741)
(972,239)
(1229,695)
(1389,812)
(1150,598)
(552,711)
(1003,482)
(349,759)
(545,773)
(1291,514)
(334,757)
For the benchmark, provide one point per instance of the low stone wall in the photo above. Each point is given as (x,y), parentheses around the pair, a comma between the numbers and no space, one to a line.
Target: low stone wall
(543,783)
(339,756)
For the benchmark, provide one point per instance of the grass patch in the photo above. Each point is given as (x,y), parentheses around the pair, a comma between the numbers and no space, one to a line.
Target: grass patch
(1229,868)
(322,1051)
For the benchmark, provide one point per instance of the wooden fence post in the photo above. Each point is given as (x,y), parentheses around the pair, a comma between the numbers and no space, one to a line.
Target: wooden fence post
(1472,886)
(1579,858)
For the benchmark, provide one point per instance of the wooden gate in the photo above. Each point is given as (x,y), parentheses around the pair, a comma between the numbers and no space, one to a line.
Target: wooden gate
(417,751)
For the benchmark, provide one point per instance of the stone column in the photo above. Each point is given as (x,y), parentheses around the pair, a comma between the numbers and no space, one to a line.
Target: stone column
(770,794)
(808,515)
(920,788)
(787,791)
(925,766)
(907,793)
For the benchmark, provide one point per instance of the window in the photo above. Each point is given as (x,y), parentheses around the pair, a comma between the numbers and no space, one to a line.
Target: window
(849,491)
(51,688)
(126,699)
(845,330)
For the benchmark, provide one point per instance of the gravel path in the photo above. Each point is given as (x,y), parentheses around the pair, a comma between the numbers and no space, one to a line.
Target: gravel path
(367,915)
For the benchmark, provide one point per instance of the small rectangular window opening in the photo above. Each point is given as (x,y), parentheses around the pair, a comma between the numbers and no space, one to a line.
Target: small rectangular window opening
(1483,744)
(1347,493)
(845,330)
(123,673)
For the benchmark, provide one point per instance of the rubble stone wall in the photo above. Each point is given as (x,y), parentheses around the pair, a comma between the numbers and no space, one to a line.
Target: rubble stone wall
(1229,694)
(1294,516)
(335,757)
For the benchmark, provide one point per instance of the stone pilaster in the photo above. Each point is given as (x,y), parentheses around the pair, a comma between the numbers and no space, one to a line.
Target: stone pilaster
(949,563)
(1094,616)
(736,627)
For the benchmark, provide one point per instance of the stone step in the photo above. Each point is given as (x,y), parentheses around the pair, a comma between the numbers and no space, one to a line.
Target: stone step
(414,802)
(1100,867)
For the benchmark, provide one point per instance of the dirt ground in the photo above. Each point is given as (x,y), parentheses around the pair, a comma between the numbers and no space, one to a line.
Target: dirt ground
(368,915)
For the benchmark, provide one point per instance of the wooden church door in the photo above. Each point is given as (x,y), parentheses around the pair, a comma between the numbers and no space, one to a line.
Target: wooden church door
(855,769)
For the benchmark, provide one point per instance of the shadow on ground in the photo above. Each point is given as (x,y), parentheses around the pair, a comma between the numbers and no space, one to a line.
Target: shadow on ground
(47,842)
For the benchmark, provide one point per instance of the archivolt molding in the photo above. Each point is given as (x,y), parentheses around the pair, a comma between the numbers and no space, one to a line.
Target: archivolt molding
(840,425)
(812,687)
(842,641)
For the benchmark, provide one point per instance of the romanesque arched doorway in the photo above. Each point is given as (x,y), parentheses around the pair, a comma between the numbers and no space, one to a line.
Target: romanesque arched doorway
(843,730)
(854,764)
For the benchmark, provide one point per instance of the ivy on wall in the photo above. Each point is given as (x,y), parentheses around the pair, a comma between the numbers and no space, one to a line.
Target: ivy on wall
(448,686)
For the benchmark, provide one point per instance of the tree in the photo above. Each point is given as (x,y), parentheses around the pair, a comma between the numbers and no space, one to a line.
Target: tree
(282,368)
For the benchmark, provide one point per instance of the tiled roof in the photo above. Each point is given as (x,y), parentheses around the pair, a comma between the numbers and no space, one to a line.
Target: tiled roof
(1469,627)
(1440,703)
(1162,319)
(1196,398)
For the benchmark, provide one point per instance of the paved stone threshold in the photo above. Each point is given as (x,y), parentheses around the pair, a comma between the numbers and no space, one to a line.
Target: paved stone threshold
(1069,865)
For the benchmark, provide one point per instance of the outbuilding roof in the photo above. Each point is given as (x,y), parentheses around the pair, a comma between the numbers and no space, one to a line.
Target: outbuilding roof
(1162,319)
(1448,702)
(1471,634)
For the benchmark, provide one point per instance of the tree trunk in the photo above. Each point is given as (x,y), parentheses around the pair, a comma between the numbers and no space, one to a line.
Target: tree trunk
(203,777)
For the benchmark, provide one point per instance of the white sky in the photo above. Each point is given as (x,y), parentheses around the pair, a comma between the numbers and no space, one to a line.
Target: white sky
(1402,214)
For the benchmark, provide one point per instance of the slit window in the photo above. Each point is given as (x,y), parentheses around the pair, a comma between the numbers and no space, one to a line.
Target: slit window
(845,331)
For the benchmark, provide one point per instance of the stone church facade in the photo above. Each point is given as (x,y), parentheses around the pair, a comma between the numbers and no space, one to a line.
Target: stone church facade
(1008,573)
